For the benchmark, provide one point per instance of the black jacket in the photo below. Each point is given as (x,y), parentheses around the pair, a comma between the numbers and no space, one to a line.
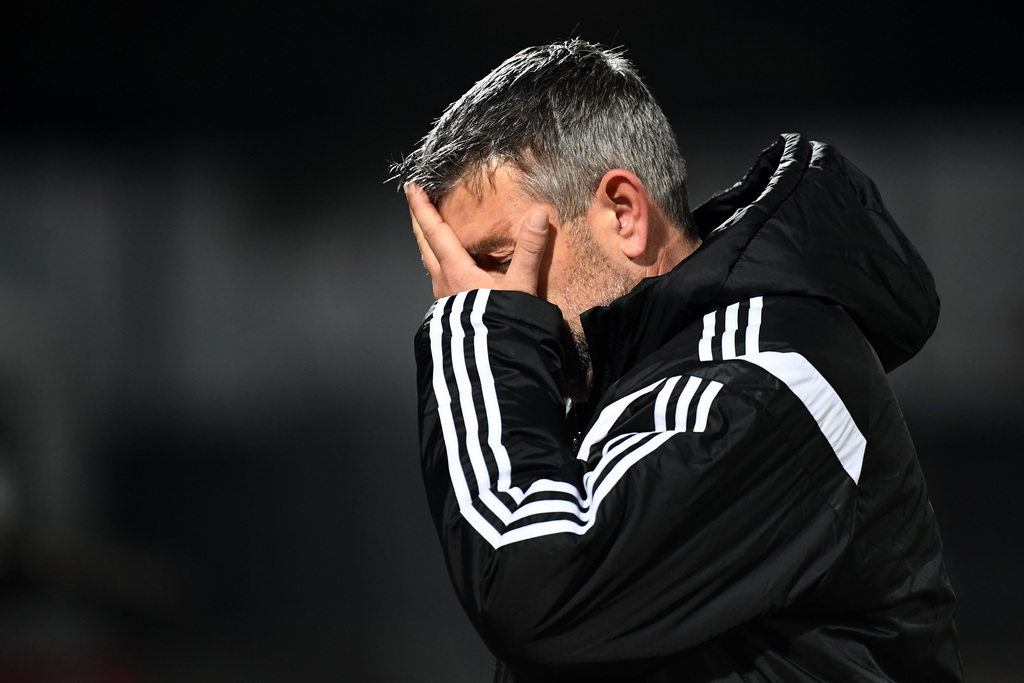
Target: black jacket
(744,502)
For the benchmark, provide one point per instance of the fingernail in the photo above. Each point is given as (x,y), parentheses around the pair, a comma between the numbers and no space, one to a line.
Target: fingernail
(538,222)
(411,187)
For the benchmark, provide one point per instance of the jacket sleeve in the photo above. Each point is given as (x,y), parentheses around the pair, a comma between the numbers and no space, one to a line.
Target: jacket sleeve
(688,508)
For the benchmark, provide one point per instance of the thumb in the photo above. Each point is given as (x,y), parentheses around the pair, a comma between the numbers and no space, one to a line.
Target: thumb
(524,270)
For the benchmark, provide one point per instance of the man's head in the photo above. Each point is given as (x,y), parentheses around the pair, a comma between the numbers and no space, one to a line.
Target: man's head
(569,135)
(583,265)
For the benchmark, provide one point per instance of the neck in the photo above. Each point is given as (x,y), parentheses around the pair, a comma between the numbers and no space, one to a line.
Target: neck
(675,246)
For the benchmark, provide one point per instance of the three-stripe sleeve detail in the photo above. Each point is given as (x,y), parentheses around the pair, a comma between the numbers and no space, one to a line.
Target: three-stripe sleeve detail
(721,337)
(478,461)
(732,333)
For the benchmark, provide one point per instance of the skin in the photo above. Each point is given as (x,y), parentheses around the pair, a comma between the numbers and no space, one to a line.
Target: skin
(490,234)
(495,236)
(470,240)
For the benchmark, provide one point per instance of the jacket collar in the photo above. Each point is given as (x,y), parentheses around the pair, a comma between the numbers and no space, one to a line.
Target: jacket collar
(803,221)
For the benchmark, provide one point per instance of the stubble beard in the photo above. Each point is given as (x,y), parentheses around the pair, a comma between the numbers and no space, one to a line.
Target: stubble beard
(595,281)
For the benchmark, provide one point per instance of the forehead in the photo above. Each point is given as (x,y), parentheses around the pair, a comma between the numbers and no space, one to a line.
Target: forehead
(486,210)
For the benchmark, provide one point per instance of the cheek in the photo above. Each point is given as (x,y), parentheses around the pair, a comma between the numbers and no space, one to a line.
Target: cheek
(555,270)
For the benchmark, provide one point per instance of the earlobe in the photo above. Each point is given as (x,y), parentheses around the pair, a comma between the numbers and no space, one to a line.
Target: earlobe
(623,196)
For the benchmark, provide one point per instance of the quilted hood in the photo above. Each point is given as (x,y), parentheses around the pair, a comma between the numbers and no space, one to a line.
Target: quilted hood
(804,221)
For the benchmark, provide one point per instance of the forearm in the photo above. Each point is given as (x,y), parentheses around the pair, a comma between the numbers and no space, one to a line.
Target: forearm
(490,393)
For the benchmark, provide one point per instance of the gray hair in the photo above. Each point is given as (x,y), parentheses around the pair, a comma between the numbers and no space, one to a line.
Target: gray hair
(564,114)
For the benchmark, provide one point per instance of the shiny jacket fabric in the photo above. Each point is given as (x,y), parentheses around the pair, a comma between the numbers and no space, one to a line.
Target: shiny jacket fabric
(743,501)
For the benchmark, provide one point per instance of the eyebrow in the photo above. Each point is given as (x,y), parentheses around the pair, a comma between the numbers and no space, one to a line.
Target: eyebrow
(490,243)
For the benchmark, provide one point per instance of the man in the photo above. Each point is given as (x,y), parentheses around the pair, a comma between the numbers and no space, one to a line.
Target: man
(731,494)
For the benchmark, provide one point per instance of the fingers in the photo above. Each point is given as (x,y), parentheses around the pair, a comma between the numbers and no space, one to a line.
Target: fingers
(413,195)
(524,271)
(452,269)
(433,233)
(429,260)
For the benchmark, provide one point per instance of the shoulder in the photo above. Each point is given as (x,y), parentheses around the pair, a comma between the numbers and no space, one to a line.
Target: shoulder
(729,343)
(793,366)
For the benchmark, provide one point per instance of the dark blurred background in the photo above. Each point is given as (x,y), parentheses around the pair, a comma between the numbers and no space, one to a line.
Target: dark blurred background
(208,461)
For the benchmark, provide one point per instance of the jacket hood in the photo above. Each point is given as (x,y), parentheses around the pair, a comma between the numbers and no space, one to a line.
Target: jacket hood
(804,221)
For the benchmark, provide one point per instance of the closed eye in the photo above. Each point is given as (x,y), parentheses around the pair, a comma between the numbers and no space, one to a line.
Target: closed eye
(493,253)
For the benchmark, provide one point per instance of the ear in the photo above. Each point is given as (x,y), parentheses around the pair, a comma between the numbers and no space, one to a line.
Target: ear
(623,209)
